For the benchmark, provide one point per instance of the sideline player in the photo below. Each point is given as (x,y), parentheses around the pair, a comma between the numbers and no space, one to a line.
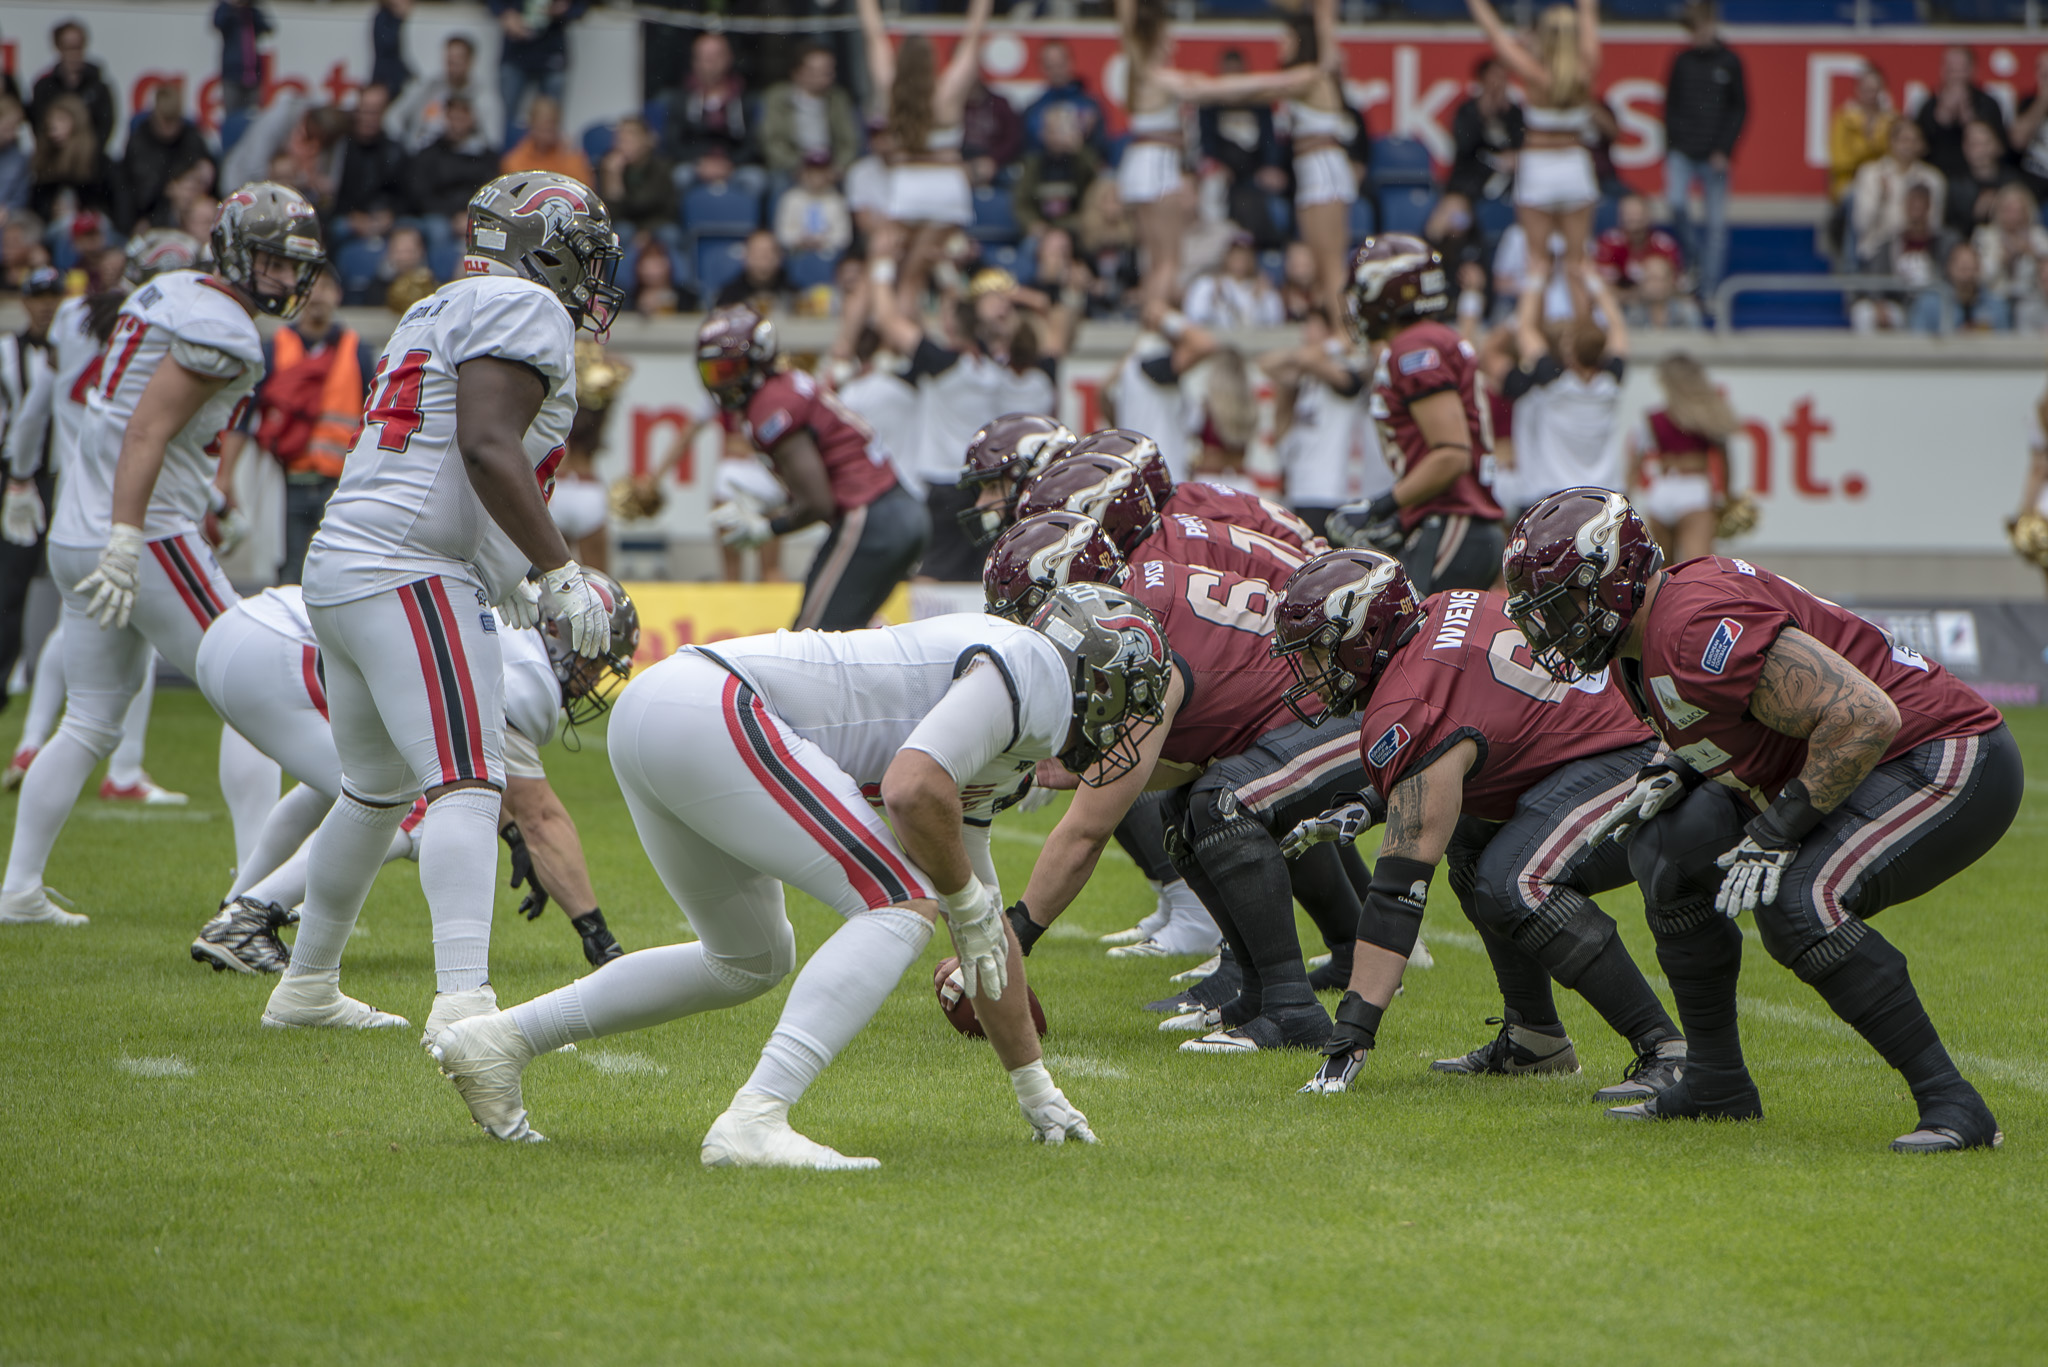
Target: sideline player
(1849,775)
(125,547)
(1490,762)
(442,505)
(744,764)
(1440,518)
(829,459)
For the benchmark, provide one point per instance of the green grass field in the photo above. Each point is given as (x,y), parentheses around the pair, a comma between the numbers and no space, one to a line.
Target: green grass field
(179,1185)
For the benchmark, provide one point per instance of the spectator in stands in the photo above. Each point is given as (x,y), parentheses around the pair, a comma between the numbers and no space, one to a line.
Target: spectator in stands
(17,178)
(544,148)
(388,66)
(1054,178)
(160,149)
(1238,142)
(1109,246)
(1914,254)
(1954,105)
(372,191)
(812,215)
(71,172)
(405,251)
(1628,246)
(309,135)
(1486,133)
(991,134)
(1860,131)
(1300,289)
(535,55)
(809,112)
(21,249)
(195,219)
(1974,308)
(1228,421)
(1052,269)
(1655,301)
(708,110)
(74,76)
(1880,190)
(243,25)
(638,183)
(422,116)
(2013,244)
(1973,194)
(1450,227)
(1705,105)
(1237,294)
(1064,89)
(762,281)
(654,286)
(1679,458)
(2030,131)
(448,171)
(1317,385)
(2030,310)
(184,196)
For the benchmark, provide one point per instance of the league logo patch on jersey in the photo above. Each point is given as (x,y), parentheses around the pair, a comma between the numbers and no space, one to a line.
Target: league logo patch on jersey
(1416,362)
(1743,567)
(1714,659)
(1391,742)
(773,427)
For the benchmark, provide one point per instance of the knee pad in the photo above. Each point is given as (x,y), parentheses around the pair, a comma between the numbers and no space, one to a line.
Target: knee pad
(750,977)
(1812,960)
(1671,856)
(1565,934)
(905,924)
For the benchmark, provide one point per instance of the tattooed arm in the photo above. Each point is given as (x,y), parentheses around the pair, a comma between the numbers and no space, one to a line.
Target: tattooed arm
(1423,808)
(1847,722)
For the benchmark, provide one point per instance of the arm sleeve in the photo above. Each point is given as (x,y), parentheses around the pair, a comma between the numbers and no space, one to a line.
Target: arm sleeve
(969,726)
(930,359)
(202,359)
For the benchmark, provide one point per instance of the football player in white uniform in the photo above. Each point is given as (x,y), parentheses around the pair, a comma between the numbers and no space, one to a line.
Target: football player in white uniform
(748,764)
(441,509)
(125,547)
(260,667)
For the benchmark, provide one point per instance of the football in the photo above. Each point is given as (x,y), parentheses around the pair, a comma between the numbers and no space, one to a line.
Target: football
(954,1001)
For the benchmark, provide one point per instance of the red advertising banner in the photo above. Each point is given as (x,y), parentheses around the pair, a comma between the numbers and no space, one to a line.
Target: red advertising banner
(1409,80)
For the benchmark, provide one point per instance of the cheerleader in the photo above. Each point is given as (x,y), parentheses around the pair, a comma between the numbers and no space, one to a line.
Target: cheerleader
(1681,457)
(1325,185)
(928,189)
(1555,187)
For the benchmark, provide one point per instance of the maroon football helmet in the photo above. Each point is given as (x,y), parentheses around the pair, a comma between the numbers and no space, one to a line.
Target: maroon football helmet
(1395,280)
(1354,608)
(1577,570)
(1107,488)
(1135,447)
(1008,452)
(736,351)
(1041,554)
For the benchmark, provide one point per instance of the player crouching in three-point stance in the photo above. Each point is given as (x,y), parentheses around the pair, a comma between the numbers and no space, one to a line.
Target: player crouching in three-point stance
(1488,760)
(744,766)
(442,506)
(125,548)
(1849,775)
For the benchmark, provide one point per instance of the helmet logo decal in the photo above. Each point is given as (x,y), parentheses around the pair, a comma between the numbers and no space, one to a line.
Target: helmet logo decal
(1372,276)
(1599,537)
(1357,600)
(1141,640)
(1052,563)
(557,206)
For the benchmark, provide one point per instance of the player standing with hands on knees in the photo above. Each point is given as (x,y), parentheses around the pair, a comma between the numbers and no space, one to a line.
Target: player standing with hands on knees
(441,508)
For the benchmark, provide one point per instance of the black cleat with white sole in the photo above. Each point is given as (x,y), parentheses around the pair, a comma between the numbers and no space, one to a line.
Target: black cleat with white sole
(243,936)
(1700,1094)
(1293,1027)
(1653,1071)
(1516,1050)
(1952,1124)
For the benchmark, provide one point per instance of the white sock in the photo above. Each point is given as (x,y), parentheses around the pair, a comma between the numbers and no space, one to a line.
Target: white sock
(48,794)
(286,884)
(292,820)
(248,784)
(46,697)
(343,864)
(644,988)
(836,994)
(459,875)
(124,769)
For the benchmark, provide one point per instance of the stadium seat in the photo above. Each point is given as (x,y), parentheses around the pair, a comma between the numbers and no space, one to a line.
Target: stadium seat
(1365,219)
(720,209)
(1401,161)
(446,260)
(810,269)
(1606,214)
(1817,12)
(356,263)
(1774,249)
(1406,210)
(719,259)
(1280,209)
(994,218)
(597,140)
(1000,256)
(1436,9)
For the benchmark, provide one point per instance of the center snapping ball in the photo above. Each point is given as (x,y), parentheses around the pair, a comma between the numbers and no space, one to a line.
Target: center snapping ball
(959,1007)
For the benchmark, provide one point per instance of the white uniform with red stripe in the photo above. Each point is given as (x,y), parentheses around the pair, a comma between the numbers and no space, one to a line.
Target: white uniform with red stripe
(747,764)
(402,575)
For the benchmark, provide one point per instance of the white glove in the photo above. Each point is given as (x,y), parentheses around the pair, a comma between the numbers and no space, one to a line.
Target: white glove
(112,584)
(1339,823)
(521,605)
(1754,872)
(975,916)
(1658,786)
(234,529)
(22,517)
(1053,1118)
(567,596)
(740,524)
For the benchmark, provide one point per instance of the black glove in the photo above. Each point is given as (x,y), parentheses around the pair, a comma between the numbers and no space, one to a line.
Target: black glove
(522,872)
(1026,929)
(1374,526)
(598,945)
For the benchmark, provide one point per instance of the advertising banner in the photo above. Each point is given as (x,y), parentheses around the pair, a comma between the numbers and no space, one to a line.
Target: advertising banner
(1998,648)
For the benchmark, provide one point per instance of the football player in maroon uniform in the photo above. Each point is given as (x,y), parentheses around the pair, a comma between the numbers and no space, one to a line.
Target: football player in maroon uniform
(1440,518)
(1213,503)
(1004,456)
(829,460)
(1848,774)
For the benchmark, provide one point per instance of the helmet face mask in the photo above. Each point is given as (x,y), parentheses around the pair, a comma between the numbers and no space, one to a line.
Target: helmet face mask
(1339,621)
(589,682)
(276,221)
(1577,572)
(736,351)
(1040,555)
(1119,670)
(551,229)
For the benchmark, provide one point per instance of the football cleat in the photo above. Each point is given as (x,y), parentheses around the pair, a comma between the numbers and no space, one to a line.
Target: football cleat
(17,769)
(1199,971)
(1200,1019)
(1942,1139)
(243,936)
(313,1001)
(1334,1077)
(1295,1028)
(1698,1095)
(1332,975)
(450,1007)
(754,1132)
(1515,1050)
(1652,1071)
(148,792)
(1154,922)
(36,907)
(483,1055)
(1420,957)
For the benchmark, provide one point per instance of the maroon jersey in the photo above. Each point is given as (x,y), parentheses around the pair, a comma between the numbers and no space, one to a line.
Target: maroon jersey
(1187,538)
(856,464)
(1467,674)
(1219,628)
(1235,508)
(1709,628)
(1429,358)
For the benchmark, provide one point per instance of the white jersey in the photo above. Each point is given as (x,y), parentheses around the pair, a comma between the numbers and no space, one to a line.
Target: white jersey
(25,371)
(404,509)
(197,322)
(1567,434)
(1161,411)
(533,696)
(957,393)
(863,696)
(1319,453)
(55,403)
(283,610)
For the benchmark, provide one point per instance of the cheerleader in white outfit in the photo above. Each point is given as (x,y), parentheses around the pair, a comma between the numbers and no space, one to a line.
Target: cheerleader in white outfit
(928,189)
(1555,188)
(1681,458)
(1325,185)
